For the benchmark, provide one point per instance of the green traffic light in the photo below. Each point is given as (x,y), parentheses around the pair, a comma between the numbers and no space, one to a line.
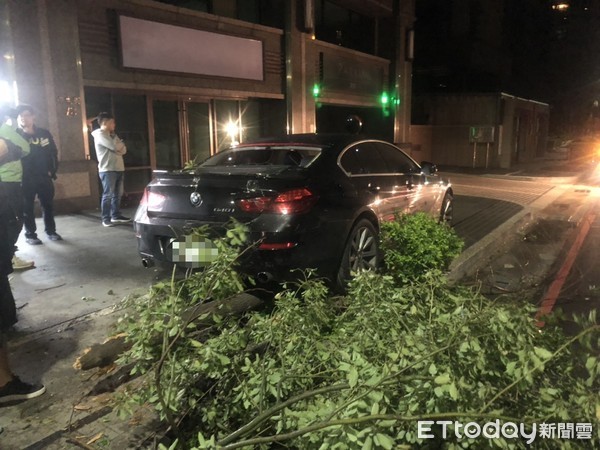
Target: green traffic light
(384,98)
(316,90)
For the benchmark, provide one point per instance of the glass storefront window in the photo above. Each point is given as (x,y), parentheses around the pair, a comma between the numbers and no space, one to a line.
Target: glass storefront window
(199,131)
(136,180)
(263,118)
(166,134)
(228,123)
(132,126)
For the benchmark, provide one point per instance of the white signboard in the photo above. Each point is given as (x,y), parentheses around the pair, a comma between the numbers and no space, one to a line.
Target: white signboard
(158,46)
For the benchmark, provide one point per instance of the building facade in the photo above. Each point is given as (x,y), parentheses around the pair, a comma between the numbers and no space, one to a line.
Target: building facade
(489,130)
(186,79)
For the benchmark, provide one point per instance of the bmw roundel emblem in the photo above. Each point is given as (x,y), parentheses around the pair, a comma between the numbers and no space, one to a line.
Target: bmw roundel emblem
(195,199)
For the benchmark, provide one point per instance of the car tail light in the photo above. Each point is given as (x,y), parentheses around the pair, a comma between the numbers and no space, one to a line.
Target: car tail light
(152,200)
(295,201)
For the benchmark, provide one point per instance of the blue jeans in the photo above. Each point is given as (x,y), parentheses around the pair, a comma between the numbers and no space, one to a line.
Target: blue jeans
(112,189)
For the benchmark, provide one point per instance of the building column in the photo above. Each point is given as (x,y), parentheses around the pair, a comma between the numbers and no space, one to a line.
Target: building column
(299,67)
(402,69)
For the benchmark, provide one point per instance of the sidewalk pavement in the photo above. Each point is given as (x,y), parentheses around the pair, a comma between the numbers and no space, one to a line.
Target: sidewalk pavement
(66,302)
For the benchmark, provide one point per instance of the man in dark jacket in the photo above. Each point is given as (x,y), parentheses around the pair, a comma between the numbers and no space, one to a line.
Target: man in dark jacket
(39,171)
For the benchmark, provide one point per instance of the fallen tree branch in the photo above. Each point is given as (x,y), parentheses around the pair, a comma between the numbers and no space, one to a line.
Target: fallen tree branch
(202,315)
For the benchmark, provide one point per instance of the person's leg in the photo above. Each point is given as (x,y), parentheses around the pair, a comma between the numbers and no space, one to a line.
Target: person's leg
(29,192)
(5,373)
(12,389)
(15,204)
(115,209)
(108,179)
(46,196)
(8,310)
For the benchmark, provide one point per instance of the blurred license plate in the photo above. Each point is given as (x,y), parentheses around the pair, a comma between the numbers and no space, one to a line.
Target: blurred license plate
(192,251)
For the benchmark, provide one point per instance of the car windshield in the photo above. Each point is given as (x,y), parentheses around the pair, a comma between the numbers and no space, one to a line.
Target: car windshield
(265,155)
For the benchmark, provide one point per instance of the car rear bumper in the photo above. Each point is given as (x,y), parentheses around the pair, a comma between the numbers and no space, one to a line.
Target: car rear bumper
(314,245)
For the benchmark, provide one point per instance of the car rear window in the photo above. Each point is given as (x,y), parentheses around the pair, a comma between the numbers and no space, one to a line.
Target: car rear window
(280,155)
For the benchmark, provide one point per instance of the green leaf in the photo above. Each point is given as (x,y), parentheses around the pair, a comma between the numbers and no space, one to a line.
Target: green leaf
(510,367)
(375,409)
(353,377)
(384,441)
(195,343)
(442,379)
(453,391)
(591,364)
(502,316)
(432,369)
(542,353)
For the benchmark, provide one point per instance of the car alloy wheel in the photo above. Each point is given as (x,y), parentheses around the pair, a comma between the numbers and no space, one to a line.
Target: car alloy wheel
(361,252)
(447,212)
(363,249)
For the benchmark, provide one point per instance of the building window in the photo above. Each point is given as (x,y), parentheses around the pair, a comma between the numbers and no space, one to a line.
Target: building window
(196,5)
(270,13)
(344,27)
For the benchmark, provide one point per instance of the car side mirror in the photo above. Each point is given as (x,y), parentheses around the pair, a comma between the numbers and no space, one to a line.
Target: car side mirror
(428,168)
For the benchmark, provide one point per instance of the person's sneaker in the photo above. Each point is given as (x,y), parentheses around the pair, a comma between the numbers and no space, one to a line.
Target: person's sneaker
(55,237)
(21,264)
(107,223)
(16,390)
(33,241)
(120,219)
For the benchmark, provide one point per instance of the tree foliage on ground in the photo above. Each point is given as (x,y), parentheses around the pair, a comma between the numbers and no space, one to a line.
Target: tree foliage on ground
(358,371)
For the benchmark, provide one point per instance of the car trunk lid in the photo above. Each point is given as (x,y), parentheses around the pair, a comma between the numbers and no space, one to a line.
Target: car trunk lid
(212,194)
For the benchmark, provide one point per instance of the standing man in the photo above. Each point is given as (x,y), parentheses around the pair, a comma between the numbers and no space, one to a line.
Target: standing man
(12,148)
(39,171)
(109,151)
(11,175)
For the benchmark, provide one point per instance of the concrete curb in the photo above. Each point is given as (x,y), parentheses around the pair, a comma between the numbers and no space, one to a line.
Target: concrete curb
(571,179)
(482,252)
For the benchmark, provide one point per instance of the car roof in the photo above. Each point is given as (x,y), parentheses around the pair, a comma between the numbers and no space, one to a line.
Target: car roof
(321,139)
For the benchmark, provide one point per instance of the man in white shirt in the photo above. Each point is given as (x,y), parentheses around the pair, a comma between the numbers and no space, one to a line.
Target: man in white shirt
(110,150)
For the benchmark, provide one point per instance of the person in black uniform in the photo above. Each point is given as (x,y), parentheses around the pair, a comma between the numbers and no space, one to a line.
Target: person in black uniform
(39,171)
(11,387)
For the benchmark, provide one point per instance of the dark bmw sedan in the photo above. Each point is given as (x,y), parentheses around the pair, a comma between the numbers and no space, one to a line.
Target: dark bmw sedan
(308,200)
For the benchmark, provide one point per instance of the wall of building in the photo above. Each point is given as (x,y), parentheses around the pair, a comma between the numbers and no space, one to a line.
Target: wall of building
(511,130)
(98,29)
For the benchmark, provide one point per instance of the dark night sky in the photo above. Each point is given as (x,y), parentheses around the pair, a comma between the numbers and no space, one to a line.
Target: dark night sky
(521,47)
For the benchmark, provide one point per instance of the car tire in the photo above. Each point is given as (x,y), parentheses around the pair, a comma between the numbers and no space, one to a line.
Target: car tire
(447,211)
(360,253)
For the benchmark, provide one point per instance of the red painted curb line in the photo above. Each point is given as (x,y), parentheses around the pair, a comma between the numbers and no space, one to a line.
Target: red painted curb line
(553,291)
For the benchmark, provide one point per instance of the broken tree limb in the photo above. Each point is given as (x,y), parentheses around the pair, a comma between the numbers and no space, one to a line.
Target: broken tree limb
(101,355)
(202,315)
